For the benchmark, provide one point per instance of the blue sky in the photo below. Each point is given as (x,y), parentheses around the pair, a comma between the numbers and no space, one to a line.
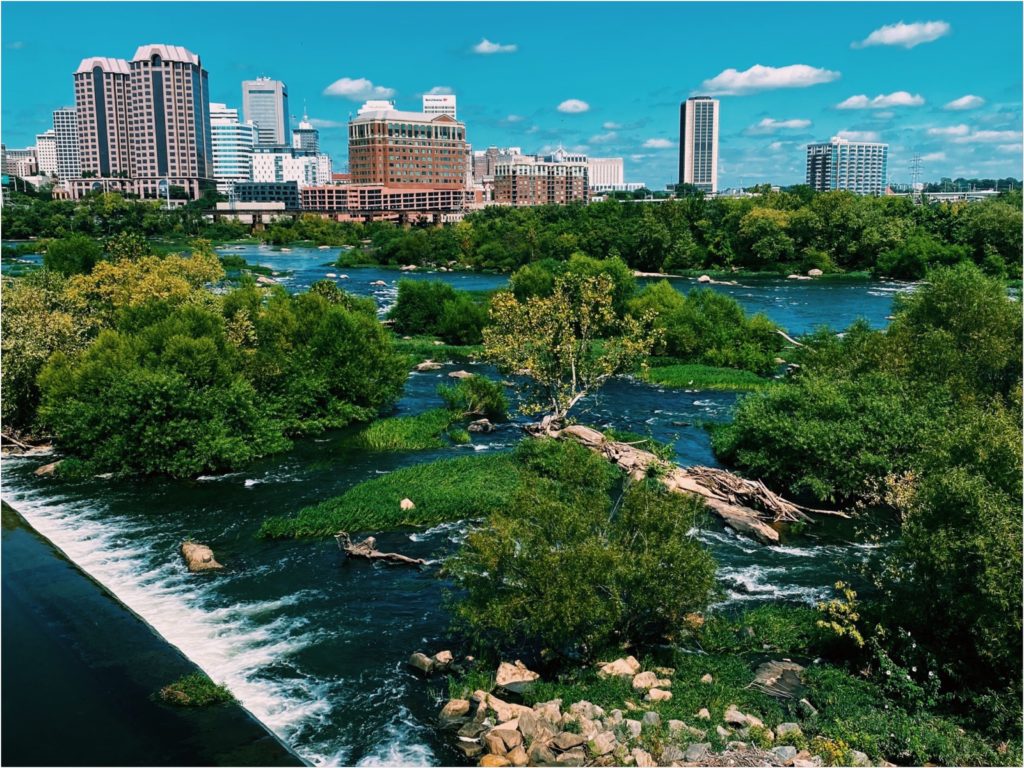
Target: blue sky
(942,80)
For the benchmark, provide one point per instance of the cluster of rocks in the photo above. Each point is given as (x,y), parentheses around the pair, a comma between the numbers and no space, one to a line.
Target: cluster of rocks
(496,732)
(441,662)
(811,273)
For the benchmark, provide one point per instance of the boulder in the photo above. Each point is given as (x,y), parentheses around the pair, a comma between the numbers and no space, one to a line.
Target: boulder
(504,711)
(815,272)
(264,280)
(539,754)
(707,679)
(378,282)
(614,717)
(587,710)
(664,682)
(696,752)
(736,718)
(565,741)
(603,743)
(575,757)
(535,728)
(549,710)
(509,735)
(635,728)
(406,505)
(704,279)
(472,732)
(421,663)
(664,671)
(494,761)
(494,744)
(723,733)
(518,757)
(629,666)
(481,425)
(460,375)
(643,759)
(644,681)
(656,694)
(858,758)
(514,677)
(736,746)
(807,708)
(471,749)
(454,711)
(198,557)
(785,754)
(703,713)
(47,469)
(671,754)
(652,719)
(443,660)
(786,729)
(428,365)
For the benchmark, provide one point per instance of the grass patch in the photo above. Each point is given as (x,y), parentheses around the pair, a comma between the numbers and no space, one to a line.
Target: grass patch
(695,376)
(445,490)
(420,348)
(196,690)
(409,433)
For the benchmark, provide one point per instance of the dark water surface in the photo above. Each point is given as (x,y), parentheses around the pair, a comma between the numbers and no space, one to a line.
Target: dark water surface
(314,645)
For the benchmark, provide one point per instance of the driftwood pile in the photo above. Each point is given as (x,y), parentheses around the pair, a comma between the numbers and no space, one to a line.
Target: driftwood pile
(367,549)
(747,506)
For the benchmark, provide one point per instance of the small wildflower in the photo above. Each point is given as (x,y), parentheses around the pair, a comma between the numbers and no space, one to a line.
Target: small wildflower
(913,669)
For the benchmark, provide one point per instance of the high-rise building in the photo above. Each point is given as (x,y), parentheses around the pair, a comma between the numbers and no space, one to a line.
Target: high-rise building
(65,129)
(605,172)
(407,149)
(102,107)
(306,136)
(170,121)
(439,104)
(265,103)
(556,179)
(698,143)
(144,125)
(46,153)
(20,162)
(855,166)
(232,143)
(285,163)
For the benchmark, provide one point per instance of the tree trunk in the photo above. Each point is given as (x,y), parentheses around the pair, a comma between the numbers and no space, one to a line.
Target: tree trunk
(747,506)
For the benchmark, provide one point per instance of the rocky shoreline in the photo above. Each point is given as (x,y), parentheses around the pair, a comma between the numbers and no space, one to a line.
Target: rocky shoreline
(497,732)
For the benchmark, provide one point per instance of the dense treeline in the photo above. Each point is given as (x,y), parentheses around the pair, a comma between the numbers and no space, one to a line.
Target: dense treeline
(150,365)
(924,417)
(793,230)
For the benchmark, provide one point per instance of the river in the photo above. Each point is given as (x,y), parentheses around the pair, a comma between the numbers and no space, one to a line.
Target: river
(313,645)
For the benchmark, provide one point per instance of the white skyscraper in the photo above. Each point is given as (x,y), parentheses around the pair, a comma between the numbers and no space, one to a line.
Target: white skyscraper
(856,166)
(65,130)
(265,103)
(439,104)
(698,143)
(306,136)
(232,142)
(276,164)
(46,153)
(606,172)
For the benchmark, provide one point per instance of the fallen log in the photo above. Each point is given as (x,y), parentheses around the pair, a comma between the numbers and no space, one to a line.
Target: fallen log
(367,549)
(747,506)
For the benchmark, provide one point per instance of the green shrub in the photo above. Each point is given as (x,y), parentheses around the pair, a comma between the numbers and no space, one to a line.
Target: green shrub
(450,489)
(432,307)
(195,690)
(476,397)
(408,433)
(72,255)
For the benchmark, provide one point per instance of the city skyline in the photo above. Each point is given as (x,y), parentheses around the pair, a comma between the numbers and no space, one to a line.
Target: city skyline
(938,80)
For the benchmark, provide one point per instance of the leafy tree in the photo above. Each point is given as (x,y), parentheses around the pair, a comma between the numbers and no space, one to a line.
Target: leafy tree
(563,572)
(72,255)
(567,344)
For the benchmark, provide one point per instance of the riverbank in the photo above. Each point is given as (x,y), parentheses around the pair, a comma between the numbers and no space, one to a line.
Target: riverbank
(79,662)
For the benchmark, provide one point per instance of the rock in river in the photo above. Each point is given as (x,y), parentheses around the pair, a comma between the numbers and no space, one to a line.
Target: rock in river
(198,557)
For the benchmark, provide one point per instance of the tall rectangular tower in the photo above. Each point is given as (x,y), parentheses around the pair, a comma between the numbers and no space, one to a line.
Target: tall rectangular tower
(265,103)
(65,129)
(46,153)
(232,143)
(101,105)
(170,120)
(854,166)
(698,143)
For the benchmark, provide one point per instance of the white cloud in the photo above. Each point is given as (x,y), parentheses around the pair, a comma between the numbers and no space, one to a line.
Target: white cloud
(659,144)
(318,123)
(906,35)
(1009,148)
(771,125)
(514,119)
(440,90)
(732,82)
(573,106)
(604,138)
(970,101)
(610,126)
(485,46)
(358,89)
(933,157)
(776,146)
(858,135)
(989,137)
(882,101)
(950,130)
